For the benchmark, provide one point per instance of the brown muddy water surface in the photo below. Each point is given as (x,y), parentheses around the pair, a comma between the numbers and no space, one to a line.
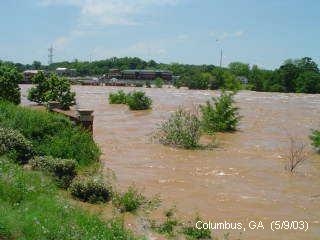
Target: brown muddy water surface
(243,179)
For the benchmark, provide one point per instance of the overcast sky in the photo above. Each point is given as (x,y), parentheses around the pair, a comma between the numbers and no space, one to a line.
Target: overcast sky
(185,31)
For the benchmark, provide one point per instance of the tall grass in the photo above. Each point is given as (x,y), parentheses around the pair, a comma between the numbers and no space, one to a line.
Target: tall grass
(31,208)
(50,134)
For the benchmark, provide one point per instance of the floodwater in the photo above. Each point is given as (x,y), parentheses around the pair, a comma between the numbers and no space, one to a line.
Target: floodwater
(242,180)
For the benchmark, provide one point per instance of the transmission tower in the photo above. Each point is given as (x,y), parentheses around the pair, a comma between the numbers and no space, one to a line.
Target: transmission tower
(50,56)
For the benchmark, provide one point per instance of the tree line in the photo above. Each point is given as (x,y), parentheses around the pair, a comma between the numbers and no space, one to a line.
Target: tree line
(299,75)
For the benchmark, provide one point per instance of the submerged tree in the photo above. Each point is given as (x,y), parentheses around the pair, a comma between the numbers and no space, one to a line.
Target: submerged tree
(182,129)
(221,116)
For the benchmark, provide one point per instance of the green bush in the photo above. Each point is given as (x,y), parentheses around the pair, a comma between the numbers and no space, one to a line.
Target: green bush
(182,129)
(9,84)
(220,117)
(63,170)
(90,190)
(32,208)
(129,201)
(118,97)
(51,134)
(15,144)
(158,82)
(315,138)
(192,232)
(52,88)
(138,101)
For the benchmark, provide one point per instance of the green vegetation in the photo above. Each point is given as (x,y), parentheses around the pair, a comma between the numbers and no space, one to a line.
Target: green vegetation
(222,116)
(52,88)
(9,80)
(50,134)
(158,82)
(15,144)
(63,170)
(315,138)
(300,75)
(118,97)
(168,227)
(31,208)
(129,201)
(91,190)
(192,232)
(138,100)
(182,129)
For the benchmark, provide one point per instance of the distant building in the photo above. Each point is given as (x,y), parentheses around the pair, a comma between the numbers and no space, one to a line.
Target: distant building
(29,74)
(134,76)
(61,71)
(146,74)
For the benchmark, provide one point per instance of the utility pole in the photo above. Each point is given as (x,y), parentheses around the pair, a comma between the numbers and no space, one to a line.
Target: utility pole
(50,56)
(221,58)
(218,41)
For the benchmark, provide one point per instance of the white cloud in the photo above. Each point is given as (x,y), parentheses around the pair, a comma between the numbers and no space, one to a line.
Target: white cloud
(110,12)
(224,35)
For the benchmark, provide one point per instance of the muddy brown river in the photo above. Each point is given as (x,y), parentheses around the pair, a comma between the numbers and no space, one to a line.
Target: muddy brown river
(242,180)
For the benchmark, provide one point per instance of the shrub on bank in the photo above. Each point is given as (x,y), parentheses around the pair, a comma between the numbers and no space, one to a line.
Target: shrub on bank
(129,201)
(221,116)
(63,170)
(182,129)
(12,142)
(90,190)
(138,101)
(51,134)
(118,97)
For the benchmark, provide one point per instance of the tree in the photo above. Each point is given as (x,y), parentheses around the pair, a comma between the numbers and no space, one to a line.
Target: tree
(36,65)
(37,94)
(52,88)
(197,81)
(255,78)
(230,81)
(221,116)
(239,69)
(308,82)
(9,84)
(288,74)
(60,91)
(307,64)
